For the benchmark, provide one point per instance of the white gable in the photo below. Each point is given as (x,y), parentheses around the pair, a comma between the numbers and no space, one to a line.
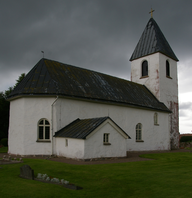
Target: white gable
(95,147)
(108,121)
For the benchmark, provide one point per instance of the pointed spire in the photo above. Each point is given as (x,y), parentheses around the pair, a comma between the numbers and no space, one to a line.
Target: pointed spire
(152,41)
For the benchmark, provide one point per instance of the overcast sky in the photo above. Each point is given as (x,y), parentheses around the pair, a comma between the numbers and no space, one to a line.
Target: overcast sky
(100,35)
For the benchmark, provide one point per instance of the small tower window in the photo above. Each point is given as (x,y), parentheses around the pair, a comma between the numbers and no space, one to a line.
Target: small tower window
(145,68)
(167,68)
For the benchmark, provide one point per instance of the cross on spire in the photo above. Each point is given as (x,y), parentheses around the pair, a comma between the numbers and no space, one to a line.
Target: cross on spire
(151,12)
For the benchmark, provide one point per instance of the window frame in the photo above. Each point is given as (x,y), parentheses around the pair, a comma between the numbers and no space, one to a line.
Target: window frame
(66,142)
(144,69)
(138,130)
(43,126)
(106,139)
(168,69)
(156,119)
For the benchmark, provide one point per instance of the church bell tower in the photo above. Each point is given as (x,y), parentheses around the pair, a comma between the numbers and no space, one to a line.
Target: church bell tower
(154,64)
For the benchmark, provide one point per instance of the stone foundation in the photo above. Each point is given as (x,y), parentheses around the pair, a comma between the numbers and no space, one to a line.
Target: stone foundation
(184,145)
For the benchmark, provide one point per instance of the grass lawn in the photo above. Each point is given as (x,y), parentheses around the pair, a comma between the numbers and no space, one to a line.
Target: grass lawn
(3,149)
(169,175)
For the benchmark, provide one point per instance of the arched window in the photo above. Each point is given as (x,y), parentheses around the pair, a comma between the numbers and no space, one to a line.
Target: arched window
(155,119)
(145,68)
(167,68)
(43,129)
(139,132)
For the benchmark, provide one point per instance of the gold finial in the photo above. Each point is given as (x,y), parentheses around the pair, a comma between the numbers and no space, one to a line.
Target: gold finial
(151,12)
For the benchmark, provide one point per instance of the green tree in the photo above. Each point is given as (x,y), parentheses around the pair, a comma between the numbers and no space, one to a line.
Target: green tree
(4,116)
(4,109)
(19,79)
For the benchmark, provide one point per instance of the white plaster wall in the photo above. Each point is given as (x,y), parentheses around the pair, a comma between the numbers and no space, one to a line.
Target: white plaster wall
(168,87)
(23,124)
(24,116)
(165,89)
(16,128)
(169,95)
(152,81)
(155,137)
(94,147)
(75,148)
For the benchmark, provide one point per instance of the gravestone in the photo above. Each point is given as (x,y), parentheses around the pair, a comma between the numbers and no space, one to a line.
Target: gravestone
(26,172)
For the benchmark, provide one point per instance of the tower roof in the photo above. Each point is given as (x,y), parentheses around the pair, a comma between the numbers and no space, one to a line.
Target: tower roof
(152,40)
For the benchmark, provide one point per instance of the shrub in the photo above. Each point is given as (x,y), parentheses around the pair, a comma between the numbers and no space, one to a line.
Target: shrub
(186,139)
(4,142)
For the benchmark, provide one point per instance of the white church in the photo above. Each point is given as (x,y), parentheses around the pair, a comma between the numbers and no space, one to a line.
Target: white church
(64,110)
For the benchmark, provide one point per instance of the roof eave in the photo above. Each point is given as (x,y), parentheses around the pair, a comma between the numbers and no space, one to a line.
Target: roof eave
(93,100)
(176,59)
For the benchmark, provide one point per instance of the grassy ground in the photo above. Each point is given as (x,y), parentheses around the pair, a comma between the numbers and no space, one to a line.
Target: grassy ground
(3,149)
(169,175)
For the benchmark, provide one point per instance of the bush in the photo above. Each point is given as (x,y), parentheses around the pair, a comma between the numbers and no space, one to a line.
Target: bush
(186,139)
(4,142)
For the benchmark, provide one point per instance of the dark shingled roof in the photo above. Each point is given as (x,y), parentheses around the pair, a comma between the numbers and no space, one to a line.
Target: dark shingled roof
(51,78)
(152,41)
(80,129)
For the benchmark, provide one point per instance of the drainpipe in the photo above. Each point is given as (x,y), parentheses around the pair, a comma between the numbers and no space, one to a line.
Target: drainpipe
(52,121)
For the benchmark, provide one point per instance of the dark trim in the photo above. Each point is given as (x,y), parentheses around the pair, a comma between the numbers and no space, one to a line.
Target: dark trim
(44,141)
(132,59)
(144,76)
(169,77)
(106,143)
(139,141)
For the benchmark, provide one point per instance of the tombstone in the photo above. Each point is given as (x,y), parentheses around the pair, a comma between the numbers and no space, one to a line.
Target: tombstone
(26,172)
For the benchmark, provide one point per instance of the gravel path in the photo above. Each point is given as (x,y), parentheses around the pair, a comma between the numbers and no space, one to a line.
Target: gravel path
(132,157)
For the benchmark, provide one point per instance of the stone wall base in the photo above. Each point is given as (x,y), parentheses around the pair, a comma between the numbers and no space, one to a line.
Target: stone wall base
(184,145)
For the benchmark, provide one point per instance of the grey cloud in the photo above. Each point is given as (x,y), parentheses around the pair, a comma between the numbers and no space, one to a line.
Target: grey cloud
(185,105)
(94,34)
(183,113)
